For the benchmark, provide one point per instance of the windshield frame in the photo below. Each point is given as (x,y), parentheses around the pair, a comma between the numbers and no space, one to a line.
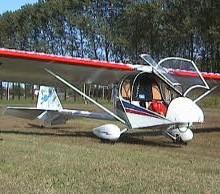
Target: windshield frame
(188,90)
(161,72)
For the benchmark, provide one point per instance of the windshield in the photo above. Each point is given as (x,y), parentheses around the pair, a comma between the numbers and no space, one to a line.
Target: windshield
(162,73)
(185,72)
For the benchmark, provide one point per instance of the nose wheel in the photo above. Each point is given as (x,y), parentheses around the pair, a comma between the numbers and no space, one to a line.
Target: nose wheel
(176,138)
(179,141)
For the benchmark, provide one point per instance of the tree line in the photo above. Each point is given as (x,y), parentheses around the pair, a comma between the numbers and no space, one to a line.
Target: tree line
(117,30)
(25,91)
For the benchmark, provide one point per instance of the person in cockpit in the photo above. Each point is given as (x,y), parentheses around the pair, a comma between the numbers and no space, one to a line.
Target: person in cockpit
(149,96)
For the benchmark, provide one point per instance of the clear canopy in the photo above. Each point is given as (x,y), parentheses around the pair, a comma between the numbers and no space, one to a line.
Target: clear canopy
(181,74)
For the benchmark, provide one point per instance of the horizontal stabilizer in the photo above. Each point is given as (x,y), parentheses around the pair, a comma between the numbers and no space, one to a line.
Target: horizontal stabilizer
(54,117)
(48,117)
(24,112)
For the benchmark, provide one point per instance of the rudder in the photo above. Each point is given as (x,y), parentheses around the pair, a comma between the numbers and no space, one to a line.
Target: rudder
(48,99)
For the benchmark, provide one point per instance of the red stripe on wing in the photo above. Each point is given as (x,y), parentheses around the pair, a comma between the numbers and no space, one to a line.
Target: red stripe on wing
(213,76)
(16,54)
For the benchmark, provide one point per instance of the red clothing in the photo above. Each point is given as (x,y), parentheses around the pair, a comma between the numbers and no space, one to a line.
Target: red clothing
(158,107)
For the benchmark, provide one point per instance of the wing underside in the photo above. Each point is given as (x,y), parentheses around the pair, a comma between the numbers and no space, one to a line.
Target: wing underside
(20,66)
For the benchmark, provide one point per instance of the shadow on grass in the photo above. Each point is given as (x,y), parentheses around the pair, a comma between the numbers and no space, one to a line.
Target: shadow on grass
(136,140)
(125,138)
(57,133)
(206,130)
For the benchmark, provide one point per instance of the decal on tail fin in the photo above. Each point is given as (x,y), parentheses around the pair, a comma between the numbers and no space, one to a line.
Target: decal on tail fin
(48,99)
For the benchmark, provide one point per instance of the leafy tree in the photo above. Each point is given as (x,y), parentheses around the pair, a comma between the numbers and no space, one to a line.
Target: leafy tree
(117,30)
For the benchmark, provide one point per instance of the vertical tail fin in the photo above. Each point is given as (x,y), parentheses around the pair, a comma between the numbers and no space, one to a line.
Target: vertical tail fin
(48,99)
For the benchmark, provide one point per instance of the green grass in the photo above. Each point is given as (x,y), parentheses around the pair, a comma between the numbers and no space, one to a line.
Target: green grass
(33,164)
(17,101)
(69,159)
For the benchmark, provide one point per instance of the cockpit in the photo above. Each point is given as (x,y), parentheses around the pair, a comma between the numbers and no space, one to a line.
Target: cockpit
(154,90)
(147,91)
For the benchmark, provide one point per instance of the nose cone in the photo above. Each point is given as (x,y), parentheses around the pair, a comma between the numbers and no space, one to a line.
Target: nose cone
(184,110)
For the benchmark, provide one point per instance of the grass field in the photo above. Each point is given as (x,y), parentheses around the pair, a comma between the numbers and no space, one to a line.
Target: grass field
(69,159)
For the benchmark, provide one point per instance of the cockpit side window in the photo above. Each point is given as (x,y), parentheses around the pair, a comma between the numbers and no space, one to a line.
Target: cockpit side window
(146,91)
(156,92)
(167,93)
(126,89)
(142,90)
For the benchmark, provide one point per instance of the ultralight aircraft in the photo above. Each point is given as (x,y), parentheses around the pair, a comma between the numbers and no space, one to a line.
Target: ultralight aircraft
(145,95)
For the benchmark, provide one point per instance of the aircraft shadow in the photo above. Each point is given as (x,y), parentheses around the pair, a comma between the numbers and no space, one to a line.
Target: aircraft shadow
(125,138)
(136,140)
(57,133)
(206,130)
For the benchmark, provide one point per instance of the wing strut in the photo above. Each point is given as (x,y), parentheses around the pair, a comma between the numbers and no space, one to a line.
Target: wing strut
(205,94)
(85,96)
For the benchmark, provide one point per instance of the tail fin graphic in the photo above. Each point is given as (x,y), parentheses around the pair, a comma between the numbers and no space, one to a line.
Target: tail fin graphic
(48,99)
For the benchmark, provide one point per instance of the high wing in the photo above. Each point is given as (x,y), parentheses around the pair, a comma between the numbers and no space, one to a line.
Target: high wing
(22,66)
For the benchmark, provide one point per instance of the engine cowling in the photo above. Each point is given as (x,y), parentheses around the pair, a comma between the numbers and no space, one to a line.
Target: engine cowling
(108,132)
(184,110)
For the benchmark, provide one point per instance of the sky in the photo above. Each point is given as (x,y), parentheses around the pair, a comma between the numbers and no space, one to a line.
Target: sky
(12,5)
